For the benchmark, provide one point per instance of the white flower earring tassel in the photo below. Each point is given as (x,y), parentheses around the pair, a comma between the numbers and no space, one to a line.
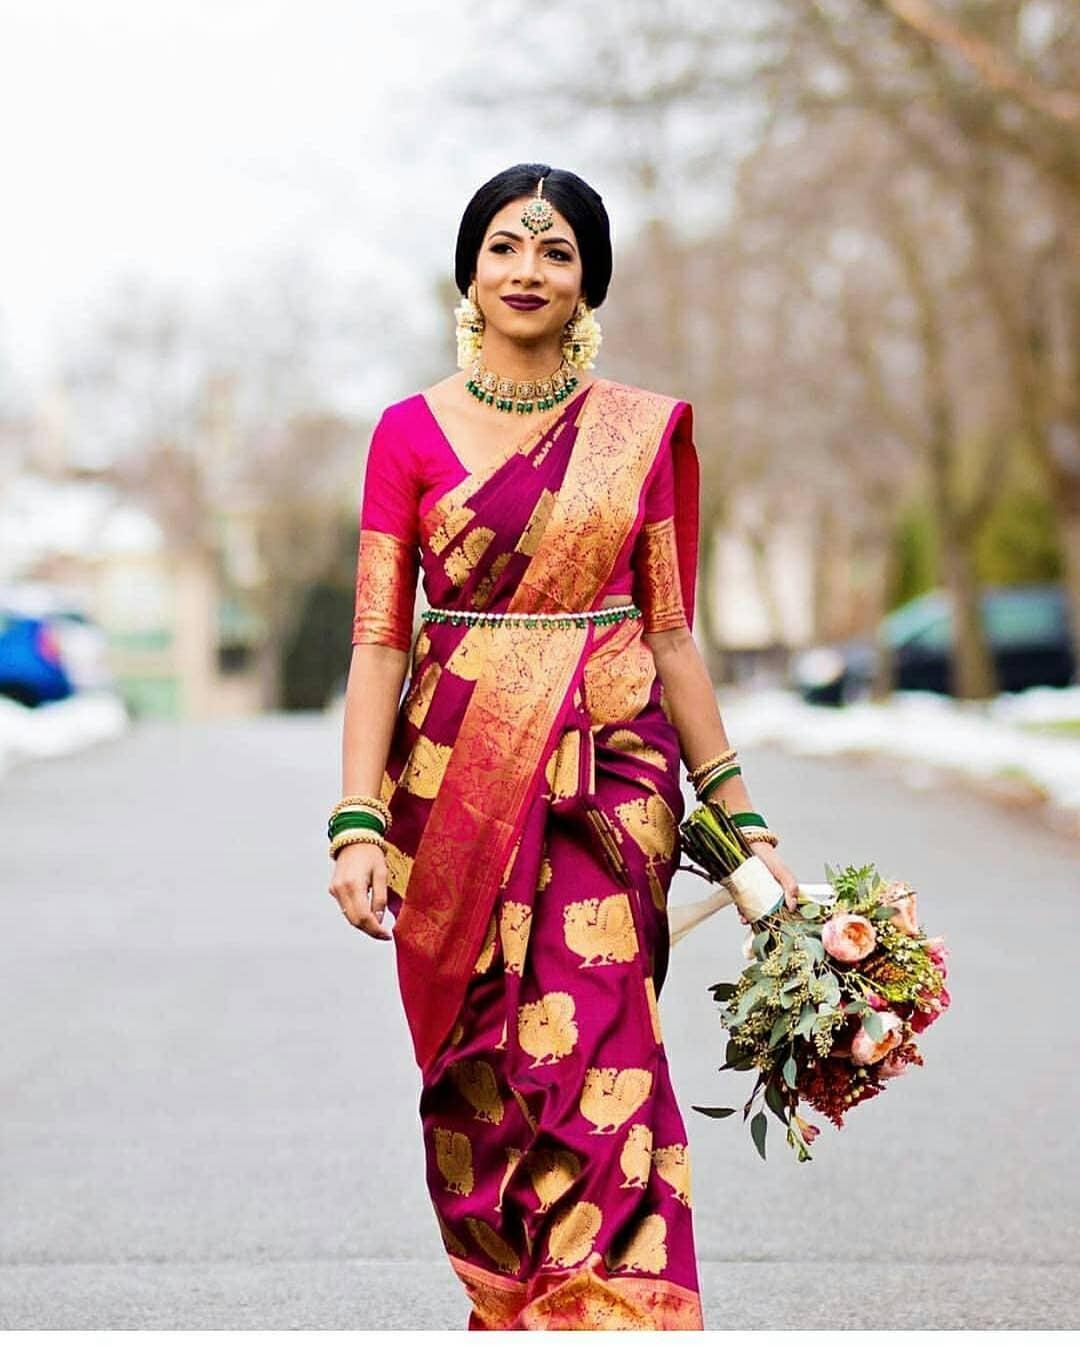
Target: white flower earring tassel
(470,329)
(581,338)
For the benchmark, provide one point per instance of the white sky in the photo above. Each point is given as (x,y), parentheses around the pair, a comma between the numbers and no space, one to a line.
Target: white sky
(192,143)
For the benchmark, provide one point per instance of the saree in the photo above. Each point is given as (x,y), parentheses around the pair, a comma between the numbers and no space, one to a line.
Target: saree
(533,783)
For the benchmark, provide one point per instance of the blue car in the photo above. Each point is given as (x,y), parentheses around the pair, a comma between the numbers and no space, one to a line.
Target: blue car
(49,649)
(1027,627)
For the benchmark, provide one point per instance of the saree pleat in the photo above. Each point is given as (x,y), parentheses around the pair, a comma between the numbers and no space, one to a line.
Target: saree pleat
(533,779)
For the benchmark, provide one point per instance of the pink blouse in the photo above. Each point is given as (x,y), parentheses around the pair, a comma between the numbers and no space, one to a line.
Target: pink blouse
(411,465)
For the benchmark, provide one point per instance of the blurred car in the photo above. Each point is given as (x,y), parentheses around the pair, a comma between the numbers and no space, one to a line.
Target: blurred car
(1027,627)
(49,648)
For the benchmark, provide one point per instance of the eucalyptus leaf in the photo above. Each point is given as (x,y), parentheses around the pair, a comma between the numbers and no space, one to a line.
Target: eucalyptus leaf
(790,1071)
(780,1028)
(758,1126)
(722,991)
(714,1111)
(775,1101)
(874,1026)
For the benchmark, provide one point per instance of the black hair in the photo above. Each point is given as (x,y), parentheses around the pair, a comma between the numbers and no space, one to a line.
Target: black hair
(570,195)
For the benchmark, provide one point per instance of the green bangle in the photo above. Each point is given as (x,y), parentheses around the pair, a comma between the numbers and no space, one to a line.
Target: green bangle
(355,819)
(749,817)
(721,775)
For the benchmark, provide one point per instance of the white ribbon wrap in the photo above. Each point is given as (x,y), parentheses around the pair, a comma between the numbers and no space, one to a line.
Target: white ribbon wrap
(754,888)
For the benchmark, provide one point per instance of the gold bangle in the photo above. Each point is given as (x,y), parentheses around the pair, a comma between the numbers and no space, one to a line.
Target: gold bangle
(760,835)
(375,803)
(348,836)
(695,774)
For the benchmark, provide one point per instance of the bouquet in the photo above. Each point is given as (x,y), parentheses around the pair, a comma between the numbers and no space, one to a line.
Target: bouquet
(835,991)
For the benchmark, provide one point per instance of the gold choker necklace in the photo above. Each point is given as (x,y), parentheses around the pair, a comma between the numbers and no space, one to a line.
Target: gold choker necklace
(523,395)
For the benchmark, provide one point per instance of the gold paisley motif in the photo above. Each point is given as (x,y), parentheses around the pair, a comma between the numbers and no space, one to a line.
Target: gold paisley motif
(534,530)
(636,1157)
(453,1156)
(483,591)
(472,653)
(514,926)
(476,1081)
(513,1156)
(460,561)
(493,1245)
(601,930)
(547,1029)
(657,893)
(573,1233)
(611,1095)
(423,772)
(651,824)
(646,1248)
(421,648)
(487,951)
(654,1010)
(673,1164)
(450,1241)
(418,698)
(629,742)
(398,868)
(552,1171)
(453,521)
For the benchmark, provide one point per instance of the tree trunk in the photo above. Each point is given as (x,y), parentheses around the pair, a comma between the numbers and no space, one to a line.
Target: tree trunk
(972,673)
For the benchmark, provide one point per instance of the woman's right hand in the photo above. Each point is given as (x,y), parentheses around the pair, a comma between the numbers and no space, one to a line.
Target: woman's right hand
(358,869)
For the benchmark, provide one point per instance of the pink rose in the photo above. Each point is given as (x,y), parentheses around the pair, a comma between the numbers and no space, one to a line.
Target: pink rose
(936,949)
(902,898)
(865,1049)
(848,936)
(926,1016)
(876,1001)
(891,1066)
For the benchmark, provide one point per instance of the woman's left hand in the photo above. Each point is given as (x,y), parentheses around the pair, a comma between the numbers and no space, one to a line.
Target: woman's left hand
(787,879)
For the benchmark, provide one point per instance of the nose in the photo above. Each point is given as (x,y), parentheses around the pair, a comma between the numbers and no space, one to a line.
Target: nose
(527,270)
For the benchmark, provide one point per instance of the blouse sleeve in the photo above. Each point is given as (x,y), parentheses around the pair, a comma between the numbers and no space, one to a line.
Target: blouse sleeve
(388,557)
(655,560)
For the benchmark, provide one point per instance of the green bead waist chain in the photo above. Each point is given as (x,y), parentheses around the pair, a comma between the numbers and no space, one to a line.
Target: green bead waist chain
(474,617)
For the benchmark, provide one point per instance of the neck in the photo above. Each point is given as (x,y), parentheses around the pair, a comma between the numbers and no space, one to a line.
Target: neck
(519,360)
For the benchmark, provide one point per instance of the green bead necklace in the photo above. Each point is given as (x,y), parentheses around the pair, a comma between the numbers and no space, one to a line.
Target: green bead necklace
(522,395)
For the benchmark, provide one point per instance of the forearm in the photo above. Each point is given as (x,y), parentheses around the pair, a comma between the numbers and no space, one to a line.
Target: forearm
(694,713)
(372,695)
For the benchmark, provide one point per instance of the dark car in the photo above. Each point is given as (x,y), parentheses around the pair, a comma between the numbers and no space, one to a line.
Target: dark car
(1027,626)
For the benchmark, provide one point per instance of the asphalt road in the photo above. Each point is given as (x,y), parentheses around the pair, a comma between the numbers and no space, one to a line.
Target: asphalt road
(208,1109)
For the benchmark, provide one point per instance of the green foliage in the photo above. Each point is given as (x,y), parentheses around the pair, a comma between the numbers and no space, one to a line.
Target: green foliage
(1019,542)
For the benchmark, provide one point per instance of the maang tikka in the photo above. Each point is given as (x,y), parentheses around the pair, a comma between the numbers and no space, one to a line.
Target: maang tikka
(537,215)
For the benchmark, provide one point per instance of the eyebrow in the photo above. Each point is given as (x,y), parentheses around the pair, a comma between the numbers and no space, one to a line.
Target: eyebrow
(517,237)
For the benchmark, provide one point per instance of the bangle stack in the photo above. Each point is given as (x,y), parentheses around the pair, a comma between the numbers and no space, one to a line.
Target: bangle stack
(358,819)
(718,769)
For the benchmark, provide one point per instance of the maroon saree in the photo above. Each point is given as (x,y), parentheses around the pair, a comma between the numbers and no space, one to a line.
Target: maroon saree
(533,780)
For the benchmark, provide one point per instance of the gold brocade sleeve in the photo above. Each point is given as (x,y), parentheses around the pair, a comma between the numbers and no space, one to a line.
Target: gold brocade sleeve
(658,589)
(387,569)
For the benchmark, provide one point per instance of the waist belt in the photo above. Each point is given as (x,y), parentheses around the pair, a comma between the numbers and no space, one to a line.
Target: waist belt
(565,619)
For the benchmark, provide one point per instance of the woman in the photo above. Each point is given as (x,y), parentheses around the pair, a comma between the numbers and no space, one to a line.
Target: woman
(518,812)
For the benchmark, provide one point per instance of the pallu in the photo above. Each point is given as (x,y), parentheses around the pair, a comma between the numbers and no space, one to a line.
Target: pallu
(533,782)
